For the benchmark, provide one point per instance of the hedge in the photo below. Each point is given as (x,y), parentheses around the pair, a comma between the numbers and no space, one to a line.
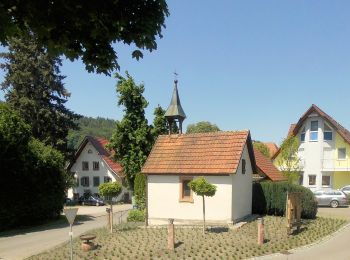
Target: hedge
(136,215)
(270,198)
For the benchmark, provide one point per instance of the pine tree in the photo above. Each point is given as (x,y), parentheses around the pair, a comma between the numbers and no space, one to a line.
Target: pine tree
(33,87)
(132,139)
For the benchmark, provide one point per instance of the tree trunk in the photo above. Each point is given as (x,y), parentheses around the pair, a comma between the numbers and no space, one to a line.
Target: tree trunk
(203,215)
(111,217)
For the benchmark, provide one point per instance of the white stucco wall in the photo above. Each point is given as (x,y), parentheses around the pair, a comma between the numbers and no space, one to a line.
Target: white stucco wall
(242,189)
(232,201)
(103,171)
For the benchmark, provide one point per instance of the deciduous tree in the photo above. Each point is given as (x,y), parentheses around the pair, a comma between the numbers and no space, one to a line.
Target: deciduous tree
(202,127)
(159,126)
(86,29)
(262,148)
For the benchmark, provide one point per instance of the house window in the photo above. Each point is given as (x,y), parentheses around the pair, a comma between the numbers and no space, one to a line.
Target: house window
(89,151)
(185,191)
(85,166)
(314,131)
(326,180)
(84,181)
(341,153)
(302,135)
(312,180)
(243,166)
(95,166)
(107,179)
(96,181)
(327,133)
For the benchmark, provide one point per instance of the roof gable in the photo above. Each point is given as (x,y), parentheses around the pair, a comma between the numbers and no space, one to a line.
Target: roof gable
(266,166)
(99,143)
(217,153)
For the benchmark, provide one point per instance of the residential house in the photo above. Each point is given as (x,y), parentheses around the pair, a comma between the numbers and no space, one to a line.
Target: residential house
(273,148)
(324,150)
(93,165)
(225,159)
(265,169)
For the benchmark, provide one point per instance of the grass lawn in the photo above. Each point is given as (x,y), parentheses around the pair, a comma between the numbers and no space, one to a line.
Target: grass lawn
(131,242)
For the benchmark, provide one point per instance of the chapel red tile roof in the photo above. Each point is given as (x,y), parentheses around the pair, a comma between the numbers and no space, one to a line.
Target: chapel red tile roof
(100,144)
(217,153)
(273,148)
(266,167)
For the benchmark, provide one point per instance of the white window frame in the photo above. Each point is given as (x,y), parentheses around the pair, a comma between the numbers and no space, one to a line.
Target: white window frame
(308,179)
(330,181)
(94,164)
(327,131)
(303,133)
(342,159)
(315,131)
(84,183)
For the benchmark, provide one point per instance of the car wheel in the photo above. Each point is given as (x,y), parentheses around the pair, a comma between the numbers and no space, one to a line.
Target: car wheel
(97,204)
(334,204)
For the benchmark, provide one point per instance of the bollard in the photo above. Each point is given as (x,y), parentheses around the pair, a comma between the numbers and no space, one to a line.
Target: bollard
(171,234)
(261,232)
(108,210)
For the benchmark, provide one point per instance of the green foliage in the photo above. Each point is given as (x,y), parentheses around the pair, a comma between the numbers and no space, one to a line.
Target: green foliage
(140,191)
(136,215)
(159,123)
(201,187)
(35,180)
(34,87)
(270,198)
(288,160)
(202,127)
(99,126)
(86,29)
(261,147)
(110,190)
(132,139)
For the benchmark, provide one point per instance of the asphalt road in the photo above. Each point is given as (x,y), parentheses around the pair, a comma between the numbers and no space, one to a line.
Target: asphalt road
(25,243)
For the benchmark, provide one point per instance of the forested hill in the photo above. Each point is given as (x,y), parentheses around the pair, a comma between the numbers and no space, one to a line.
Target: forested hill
(99,126)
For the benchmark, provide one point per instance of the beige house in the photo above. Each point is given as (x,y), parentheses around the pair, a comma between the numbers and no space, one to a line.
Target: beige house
(225,159)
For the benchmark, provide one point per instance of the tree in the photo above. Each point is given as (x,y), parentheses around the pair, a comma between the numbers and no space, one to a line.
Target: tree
(202,188)
(288,160)
(202,127)
(159,123)
(132,139)
(33,172)
(86,29)
(110,190)
(262,148)
(34,88)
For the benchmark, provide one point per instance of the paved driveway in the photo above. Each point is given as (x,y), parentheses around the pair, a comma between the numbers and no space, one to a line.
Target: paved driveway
(25,243)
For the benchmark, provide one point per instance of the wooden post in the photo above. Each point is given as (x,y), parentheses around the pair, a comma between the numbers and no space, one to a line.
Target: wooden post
(111,214)
(261,231)
(171,234)
(108,218)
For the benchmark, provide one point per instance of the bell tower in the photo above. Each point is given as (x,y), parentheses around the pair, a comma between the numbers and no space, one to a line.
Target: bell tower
(175,114)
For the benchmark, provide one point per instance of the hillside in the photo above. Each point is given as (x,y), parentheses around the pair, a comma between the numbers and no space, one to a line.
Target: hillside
(90,126)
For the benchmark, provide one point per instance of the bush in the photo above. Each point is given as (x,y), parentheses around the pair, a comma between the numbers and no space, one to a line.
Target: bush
(140,191)
(136,215)
(110,190)
(270,198)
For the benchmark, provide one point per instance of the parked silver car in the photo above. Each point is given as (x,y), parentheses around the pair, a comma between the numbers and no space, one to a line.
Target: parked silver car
(333,198)
(346,189)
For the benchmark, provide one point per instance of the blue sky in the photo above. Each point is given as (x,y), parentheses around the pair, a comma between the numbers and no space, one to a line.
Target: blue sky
(245,64)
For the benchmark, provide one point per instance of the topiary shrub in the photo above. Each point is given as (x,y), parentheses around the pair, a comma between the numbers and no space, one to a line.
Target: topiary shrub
(136,215)
(270,198)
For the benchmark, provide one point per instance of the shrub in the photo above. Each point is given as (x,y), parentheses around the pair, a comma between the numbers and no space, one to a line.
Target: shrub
(136,215)
(140,191)
(270,198)
(109,190)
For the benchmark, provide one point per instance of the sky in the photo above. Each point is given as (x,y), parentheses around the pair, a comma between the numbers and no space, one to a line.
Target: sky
(242,64)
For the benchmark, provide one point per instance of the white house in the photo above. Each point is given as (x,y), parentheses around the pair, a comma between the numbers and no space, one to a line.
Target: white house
(225,159)
(92,165)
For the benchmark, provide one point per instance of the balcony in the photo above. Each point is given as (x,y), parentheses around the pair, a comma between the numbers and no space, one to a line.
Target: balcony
(335,164)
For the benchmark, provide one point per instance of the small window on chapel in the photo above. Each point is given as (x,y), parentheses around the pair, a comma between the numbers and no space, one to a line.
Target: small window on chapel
(243,166)
(186,194)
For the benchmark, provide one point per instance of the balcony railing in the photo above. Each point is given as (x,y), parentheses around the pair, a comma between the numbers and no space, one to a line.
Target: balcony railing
(335,164)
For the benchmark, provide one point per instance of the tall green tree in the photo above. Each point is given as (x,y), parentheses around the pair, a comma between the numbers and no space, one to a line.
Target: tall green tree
(262,148)
(86,29)
(202,127)
(159,126)
(34,87)
(132,139)
(288,160)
